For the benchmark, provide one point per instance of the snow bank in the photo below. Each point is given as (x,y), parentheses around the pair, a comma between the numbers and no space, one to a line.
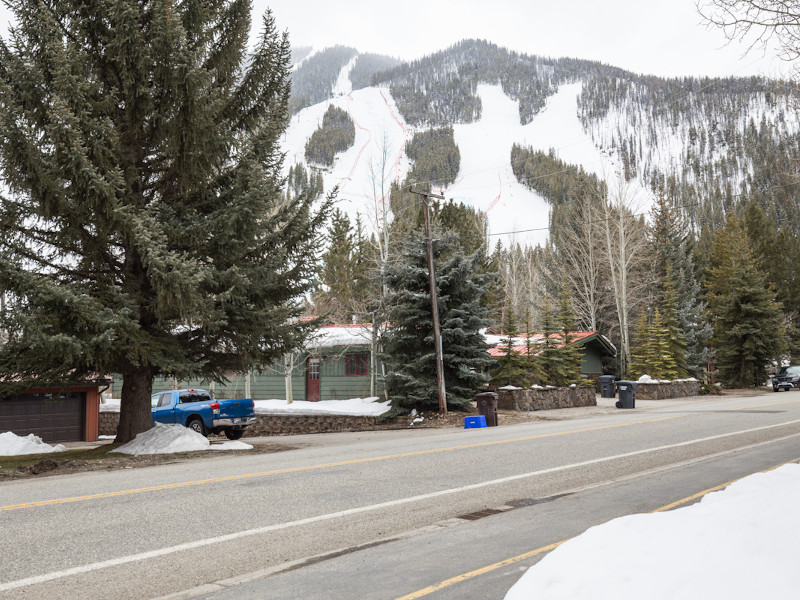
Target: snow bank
(166,439)
(738,543)
(110,405)
(355,407)
(14,445)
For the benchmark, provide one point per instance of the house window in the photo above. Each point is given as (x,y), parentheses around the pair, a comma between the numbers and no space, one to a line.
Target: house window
(356,364)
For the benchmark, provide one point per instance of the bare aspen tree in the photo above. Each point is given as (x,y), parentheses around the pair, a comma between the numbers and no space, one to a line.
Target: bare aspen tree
(513,274)
(533,285)
(626,244)
(758,23)
(579,245)
(380,212)
(288,368)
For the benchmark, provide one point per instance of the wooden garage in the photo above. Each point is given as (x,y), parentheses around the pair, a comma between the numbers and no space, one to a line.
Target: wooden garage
(70,414)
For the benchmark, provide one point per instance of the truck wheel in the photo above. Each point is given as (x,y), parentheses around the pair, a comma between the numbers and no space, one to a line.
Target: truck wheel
(234,434)
(197,425)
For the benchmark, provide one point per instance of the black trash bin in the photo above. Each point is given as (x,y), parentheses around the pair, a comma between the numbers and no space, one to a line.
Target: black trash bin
(487,406)
(606,386)
(627,394)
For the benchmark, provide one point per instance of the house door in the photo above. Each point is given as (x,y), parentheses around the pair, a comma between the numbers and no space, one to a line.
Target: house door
(312,379)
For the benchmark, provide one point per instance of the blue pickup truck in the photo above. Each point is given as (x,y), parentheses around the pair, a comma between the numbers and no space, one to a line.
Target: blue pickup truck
(197,410)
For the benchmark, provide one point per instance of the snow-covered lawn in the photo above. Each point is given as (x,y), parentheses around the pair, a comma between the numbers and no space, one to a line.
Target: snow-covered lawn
(15,445)
(355,407)
(742,542)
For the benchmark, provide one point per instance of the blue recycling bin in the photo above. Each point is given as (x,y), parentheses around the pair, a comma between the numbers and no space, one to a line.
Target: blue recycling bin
(474,422)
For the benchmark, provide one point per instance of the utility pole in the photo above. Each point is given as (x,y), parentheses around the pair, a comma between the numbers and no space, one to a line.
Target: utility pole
(437,334)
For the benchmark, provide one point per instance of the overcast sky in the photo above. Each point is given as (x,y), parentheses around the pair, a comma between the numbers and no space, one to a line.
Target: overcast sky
(659,37)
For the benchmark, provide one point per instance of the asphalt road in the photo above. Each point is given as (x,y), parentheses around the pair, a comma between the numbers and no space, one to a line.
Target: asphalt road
(381,515)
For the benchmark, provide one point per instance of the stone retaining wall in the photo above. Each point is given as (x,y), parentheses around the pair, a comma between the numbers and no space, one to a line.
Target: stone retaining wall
(108,423)
(295,424)
(276,424)
(664,391)
(546,398)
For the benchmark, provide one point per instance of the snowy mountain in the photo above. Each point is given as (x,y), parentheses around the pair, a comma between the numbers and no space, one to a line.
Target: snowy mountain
(704,142)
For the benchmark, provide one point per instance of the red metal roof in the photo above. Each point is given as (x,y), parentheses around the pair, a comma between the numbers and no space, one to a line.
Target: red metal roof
(521,345)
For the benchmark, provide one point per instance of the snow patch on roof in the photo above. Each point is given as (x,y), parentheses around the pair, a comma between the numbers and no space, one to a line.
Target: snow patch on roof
(341,335)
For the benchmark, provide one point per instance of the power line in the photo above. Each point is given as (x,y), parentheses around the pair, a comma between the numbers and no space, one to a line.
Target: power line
(637,215)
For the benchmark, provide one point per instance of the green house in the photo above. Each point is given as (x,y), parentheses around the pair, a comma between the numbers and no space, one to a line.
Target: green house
(594,349)
(336,364)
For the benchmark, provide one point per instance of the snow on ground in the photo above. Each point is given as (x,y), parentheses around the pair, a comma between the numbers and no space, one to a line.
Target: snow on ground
(558,127)
(378,154)
(166,439)
(356,407)
(486,180)
(110,405)
(343,87)
(15,445)
(739,543)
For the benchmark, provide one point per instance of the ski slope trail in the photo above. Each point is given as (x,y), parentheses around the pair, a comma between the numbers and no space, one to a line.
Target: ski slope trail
(486,180)
(516,214)
(365,171)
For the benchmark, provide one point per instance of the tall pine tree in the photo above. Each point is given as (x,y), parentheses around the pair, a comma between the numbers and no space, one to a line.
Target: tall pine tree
(748,322)
(569,371)
(409,341)
(145,230)
(335,298)
(510,366)
(676,277)
(644,353)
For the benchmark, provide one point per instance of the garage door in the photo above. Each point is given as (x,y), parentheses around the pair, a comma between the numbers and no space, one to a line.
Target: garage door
(52,418)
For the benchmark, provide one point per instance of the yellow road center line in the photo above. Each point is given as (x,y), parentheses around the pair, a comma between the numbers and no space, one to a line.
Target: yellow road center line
(184,484)
(795,401)
(477,572)
(520,557)
(199,482)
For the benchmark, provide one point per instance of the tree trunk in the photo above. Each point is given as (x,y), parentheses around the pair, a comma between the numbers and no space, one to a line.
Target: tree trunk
(288,369)
(135,416)
(373,353)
